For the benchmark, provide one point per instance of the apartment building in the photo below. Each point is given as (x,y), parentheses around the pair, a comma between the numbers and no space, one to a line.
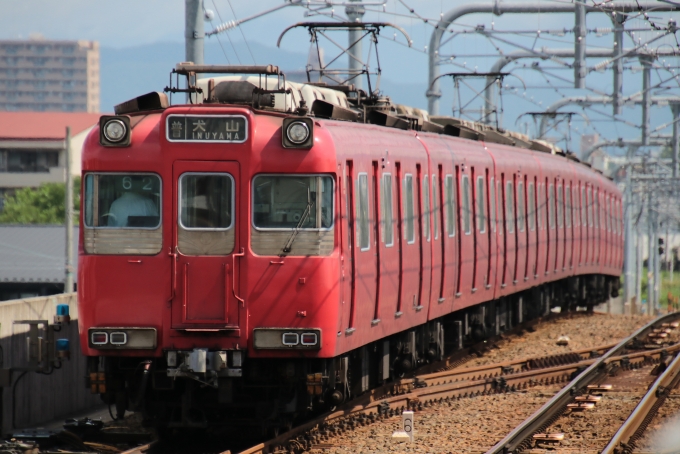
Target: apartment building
(46,76)
(32,147)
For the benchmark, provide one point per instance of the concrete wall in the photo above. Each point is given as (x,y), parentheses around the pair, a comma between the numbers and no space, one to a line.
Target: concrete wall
(39,398)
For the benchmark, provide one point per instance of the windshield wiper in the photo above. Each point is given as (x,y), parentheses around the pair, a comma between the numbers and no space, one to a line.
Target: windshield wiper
(305,214)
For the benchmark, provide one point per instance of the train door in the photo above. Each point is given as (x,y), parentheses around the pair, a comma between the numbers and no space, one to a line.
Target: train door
(482,245)
(568,232)
(365,247)
(207,246)
(410,258)
(559,237)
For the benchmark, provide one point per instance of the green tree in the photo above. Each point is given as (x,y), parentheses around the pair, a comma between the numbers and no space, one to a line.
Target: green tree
(41,205)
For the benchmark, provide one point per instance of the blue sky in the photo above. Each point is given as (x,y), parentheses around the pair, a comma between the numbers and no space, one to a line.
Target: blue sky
(125,24)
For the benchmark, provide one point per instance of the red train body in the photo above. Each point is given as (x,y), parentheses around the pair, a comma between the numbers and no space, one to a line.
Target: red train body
(295,277)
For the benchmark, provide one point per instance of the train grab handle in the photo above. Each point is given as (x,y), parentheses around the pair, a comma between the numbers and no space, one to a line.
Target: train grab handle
(241,253)
(173,282)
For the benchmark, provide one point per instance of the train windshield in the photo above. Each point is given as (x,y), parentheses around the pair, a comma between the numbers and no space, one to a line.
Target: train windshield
(293,202)
(122,201)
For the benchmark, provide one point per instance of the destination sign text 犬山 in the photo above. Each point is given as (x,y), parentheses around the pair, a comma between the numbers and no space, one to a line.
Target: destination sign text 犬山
(207,128)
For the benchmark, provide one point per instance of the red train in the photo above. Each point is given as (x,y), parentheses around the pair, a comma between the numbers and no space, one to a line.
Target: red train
(271,248)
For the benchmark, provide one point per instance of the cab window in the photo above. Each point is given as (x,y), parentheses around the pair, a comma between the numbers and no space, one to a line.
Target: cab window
(303,202)
(120,201)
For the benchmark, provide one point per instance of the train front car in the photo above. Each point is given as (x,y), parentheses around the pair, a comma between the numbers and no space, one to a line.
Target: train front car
(208,268)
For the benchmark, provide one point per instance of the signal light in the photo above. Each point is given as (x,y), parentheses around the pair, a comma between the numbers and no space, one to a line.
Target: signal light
(309,339)
(118,338)
(290,339)
(99,338)
(661,246)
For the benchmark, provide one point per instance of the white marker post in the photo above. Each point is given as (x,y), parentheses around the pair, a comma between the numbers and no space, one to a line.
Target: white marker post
(406,432)
(407,424)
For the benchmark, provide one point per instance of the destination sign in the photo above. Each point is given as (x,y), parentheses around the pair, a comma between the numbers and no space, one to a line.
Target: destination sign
(207,128)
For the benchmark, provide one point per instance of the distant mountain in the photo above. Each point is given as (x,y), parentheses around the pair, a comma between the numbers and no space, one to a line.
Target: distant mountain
(130,72)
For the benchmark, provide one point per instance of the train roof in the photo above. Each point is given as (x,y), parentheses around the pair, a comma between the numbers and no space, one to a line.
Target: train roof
(265,88)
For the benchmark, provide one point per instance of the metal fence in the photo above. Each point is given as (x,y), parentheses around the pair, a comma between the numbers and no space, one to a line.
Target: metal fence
(32,398)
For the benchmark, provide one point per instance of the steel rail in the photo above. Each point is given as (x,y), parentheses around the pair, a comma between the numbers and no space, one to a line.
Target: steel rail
(625,439)
(544,416)
(416,399)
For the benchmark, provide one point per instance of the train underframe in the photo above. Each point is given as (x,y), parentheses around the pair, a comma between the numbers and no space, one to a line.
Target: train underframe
(274,394)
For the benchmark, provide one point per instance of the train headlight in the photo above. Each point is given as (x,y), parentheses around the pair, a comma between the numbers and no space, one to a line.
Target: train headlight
(114,131)
(298,133)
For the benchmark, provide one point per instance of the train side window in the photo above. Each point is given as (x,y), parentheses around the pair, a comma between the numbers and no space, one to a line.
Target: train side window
(567,203)
(520,206)
(435,204)
(584,218)
(481,205)
(426,207)
(408,209)
(539,206)
(560,207)
(386,201)
(531,208)
(589,205)
(509,207)
(574,203)
(466,205)
(362,212)
(499,205)
(551,206)
(492,203)
(450,206)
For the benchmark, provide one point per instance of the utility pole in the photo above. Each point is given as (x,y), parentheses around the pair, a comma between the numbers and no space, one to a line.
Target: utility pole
(68,281)
(194,35)
(355,13)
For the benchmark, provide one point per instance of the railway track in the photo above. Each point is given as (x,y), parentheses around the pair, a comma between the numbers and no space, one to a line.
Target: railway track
(444,386)
(522,438)
(440,383)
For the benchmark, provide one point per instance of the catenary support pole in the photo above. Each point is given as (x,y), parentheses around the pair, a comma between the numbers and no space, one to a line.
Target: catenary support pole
(591,100)
(497,8)
(629,242)
(68,206)
(651,250)
(675,141)
(639,251)
(617,89)
(579,44)
(646,62)
(355,13)
(194,34)
(549,53)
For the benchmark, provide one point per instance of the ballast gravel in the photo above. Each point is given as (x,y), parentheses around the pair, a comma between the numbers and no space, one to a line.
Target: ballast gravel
(473,425)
